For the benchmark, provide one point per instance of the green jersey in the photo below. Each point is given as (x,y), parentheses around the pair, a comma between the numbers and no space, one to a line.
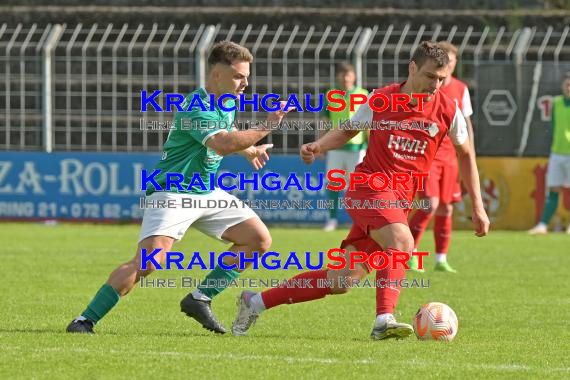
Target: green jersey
(185,151)
(358,142)
(560,125)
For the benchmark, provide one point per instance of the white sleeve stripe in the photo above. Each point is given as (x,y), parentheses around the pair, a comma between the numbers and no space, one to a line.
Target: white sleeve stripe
(458,129)
(466,103)
(364,112)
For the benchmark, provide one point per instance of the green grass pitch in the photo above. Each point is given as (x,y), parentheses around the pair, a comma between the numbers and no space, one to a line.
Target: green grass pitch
(511,297)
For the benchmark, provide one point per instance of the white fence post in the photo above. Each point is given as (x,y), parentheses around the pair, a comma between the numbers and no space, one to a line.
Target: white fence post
(48,86)
(363,42)
(203,45)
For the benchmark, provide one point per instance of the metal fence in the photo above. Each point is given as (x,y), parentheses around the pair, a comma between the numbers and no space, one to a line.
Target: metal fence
(78,88)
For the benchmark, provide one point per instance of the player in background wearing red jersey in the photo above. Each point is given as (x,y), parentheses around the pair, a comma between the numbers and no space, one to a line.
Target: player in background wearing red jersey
(409,150)
(442,187)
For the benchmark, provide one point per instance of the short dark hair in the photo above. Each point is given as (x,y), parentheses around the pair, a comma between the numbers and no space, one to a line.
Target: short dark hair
(448,47)
(430,50)
(345,67)
(226,52)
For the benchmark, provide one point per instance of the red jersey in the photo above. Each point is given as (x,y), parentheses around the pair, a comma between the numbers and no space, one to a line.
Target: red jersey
(458,91)
(406,142)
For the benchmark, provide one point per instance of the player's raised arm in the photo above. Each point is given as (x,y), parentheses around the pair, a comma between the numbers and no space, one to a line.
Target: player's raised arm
(337,137)
(332,140)
(469,172)
(225,143)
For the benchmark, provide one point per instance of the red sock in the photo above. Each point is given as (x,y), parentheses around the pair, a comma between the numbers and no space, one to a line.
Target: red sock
(418,225)
(442,232)
(279,296)
(387,297)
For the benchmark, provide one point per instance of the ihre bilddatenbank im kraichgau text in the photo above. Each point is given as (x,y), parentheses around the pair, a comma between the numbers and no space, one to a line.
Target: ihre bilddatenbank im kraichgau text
(271,260)
(273,182)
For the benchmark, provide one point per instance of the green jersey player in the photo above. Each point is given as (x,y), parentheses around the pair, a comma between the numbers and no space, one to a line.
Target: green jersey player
(558,173)
(352,153)
(190,150)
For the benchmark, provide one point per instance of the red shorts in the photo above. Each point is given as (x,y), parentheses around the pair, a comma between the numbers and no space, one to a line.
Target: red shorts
(363,220)
(443,182)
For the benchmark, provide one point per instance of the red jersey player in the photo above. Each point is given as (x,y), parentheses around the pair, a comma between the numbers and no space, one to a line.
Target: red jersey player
(442,186)
(389,151)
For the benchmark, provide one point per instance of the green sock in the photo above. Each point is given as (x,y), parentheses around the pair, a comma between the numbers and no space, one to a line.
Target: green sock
(105,299)
(216,275)
(333,196)
(549,207)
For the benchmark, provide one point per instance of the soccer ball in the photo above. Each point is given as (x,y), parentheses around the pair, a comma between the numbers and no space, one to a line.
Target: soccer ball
(436,321)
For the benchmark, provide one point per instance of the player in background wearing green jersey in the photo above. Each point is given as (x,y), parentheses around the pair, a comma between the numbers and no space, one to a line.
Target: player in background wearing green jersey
(558,173)
(352,153)
(189,151)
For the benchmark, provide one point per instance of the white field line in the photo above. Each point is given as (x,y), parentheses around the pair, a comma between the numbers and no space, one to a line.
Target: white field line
(292,359)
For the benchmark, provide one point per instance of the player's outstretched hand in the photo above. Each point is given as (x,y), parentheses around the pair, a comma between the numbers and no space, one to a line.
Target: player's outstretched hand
(309,152)
(280,113)
(258,156)
(481,221)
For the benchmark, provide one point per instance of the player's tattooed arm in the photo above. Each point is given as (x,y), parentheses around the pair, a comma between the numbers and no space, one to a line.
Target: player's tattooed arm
(225,143)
